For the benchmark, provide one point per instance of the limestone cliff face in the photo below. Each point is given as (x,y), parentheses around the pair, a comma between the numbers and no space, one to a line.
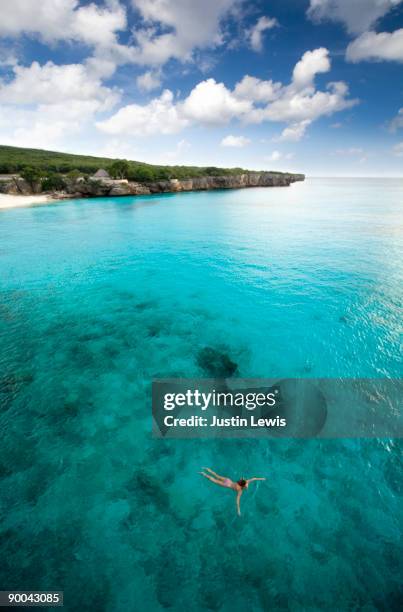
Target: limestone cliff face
(253,179)
(116,188)
(15,185)
(97,188)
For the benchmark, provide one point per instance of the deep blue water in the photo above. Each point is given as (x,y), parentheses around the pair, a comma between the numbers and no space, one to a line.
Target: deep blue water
(97,298)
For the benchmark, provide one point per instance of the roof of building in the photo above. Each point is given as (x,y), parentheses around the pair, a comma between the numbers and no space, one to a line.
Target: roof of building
(101,173)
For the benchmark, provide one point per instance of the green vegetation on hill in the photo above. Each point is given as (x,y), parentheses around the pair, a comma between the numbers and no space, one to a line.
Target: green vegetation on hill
(50,163)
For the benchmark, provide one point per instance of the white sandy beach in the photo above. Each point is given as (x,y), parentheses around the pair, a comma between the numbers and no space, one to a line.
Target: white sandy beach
(15,201)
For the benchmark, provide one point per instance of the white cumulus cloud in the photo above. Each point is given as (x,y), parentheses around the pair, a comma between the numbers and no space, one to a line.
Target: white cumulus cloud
(311,64)
(377,46)
(235,141)
(160,116)
(257,90)
(360,18)
(191,25)
(164,29)
(357,15)
(298,106)
(295,131)
(255,34)
(209,103)
(212,103)
(52,84)
(298,103)
(251,101)
(148,81)
(47,103)
(46,126)
(54,20)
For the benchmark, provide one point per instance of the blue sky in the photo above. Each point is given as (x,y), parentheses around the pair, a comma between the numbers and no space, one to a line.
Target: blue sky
(303,85)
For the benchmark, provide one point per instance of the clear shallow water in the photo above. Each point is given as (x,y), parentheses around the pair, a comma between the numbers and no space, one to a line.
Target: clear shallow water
(99,297)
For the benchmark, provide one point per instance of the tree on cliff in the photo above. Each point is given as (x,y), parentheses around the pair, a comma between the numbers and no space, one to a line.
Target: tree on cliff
(53,182)
(143,174)
(119,169)
(31,175)
(76,174)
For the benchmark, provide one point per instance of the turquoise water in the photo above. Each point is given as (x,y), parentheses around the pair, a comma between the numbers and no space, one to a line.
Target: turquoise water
(97,298)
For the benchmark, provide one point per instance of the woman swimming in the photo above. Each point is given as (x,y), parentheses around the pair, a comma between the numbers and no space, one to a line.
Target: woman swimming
(240,486)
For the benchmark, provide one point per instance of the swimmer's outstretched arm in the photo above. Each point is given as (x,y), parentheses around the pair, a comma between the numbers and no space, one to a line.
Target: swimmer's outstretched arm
(252,479)
(238,502)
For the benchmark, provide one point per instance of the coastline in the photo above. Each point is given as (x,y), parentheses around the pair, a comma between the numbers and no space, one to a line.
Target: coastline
(16,191)
(112,188)
(16,201)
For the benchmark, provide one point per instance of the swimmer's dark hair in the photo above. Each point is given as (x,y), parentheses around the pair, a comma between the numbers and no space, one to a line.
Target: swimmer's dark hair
(242,483)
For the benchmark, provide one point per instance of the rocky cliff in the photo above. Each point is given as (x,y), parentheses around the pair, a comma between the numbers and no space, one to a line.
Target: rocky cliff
(96,188)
